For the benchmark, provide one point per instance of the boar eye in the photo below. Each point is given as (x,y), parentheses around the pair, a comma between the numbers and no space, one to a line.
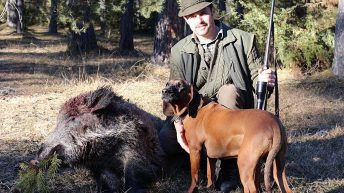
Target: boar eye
(70,119)
(74,139)
(84,129)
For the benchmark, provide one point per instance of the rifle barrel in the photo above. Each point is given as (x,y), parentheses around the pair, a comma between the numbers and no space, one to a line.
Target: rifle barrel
(267,46)
(262,88)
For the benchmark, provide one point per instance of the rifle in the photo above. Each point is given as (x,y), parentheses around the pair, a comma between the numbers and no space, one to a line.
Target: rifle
(262,89)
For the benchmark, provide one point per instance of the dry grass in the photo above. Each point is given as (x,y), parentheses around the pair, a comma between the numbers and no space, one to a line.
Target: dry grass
(36,77)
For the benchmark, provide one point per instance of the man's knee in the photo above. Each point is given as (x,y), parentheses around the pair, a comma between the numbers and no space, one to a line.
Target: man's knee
(231,97)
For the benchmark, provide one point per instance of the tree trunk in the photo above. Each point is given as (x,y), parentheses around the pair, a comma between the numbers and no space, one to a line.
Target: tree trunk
(84,40)
(222,5)
(102,17)
(53,17)
(169,30)
(338,61)
(104,14)
(11,13)
(239,8)
(127,27)
(20,13)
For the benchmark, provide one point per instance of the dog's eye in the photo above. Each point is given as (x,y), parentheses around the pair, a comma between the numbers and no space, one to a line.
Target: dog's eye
(182,88)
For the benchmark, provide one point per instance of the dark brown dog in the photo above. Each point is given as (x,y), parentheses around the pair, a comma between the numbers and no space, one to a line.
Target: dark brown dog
(249,135)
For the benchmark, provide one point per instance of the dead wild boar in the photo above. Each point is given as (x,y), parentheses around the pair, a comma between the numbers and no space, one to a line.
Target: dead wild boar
(114,139)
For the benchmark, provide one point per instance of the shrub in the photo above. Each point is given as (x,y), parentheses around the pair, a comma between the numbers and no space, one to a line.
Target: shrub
(304,34)
(36,178)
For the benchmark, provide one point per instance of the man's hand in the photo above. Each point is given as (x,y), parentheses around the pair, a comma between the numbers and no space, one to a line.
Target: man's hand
(181,136)
(267,76)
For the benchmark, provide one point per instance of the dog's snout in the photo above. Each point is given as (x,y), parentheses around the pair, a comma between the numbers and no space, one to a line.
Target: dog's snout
(169,93)
(167,90)
(164,91)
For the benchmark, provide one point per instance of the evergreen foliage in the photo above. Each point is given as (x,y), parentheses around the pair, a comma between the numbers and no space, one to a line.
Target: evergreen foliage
(304,33)
(37,11)
(107,14)
(36,178)
(147,13)
(147,7)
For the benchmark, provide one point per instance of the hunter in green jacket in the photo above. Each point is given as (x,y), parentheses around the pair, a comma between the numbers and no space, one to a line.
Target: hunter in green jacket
(223,64)
(235,60)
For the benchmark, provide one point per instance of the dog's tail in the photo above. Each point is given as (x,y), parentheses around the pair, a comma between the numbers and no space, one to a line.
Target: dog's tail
(276,147)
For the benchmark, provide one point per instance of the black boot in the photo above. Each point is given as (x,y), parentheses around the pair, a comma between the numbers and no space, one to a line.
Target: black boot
(228,178)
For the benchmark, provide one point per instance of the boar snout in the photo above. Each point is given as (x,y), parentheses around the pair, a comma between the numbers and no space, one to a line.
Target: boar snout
(45,152)
(34,162)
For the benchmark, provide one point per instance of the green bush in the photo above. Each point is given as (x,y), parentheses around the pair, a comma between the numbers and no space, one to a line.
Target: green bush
(304,34)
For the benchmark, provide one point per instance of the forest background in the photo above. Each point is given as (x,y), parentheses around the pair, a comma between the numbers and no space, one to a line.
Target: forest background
(304,30)
(52,50)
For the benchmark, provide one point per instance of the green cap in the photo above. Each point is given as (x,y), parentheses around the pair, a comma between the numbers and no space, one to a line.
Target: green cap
(188,7)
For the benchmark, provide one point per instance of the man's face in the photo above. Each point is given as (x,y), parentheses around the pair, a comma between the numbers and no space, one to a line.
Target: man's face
(200,22)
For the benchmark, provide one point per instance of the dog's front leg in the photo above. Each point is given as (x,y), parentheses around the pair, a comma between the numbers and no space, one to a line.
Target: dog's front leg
(211,172)
(195,159)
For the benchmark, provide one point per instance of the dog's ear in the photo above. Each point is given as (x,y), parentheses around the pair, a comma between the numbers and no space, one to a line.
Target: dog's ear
(167,109)
(195,101)
(191,91)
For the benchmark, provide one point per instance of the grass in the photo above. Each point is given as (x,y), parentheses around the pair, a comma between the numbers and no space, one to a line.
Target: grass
(36,77)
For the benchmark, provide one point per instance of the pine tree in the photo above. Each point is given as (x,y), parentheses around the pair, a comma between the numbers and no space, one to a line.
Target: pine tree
(53,17)
(20,13)
(338,61)
(15,13)
(141,7)
(82,37)
(126,41)
(12,15)
(169,30)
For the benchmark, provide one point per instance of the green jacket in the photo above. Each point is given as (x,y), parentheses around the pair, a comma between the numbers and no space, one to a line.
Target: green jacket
(240,62)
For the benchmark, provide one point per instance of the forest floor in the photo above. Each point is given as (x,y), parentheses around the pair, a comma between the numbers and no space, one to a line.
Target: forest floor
(37,76)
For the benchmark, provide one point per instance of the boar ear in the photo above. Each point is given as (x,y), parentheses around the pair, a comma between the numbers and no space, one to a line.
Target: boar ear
(100,99)
(167,109)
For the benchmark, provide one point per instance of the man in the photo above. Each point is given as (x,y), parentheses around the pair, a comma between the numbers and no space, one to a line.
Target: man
(222,63)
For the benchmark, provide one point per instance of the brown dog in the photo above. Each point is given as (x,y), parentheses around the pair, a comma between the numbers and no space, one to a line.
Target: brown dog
(249,135)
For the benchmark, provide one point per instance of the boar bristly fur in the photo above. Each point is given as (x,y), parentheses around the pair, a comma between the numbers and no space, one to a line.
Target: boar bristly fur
(113,138)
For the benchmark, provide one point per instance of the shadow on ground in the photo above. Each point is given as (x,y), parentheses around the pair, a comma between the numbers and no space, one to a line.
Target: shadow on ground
(317,159)
(13,153)
(52,61)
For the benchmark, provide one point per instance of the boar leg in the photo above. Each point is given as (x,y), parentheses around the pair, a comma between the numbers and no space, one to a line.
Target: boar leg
(106,180)
(138,176)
